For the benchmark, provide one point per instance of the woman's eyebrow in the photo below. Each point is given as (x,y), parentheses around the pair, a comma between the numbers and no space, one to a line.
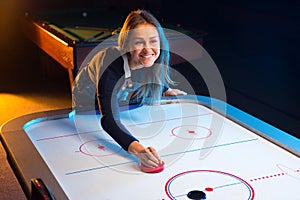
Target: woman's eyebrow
(153,37)
(138,38)
(142,38)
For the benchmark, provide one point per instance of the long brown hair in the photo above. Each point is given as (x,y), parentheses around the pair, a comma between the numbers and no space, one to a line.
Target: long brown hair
(158,75)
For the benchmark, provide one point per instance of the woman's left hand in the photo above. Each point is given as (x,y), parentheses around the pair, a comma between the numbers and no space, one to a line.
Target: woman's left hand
(174,92)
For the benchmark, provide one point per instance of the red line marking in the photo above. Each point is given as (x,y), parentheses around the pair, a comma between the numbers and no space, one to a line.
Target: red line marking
(197,138)
(171,119)
(209,189)
(101,147)
(67,135)
(267,177)
(74,134)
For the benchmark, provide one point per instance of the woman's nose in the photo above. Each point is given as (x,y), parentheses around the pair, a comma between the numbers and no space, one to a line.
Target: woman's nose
(146,49)
(147,45)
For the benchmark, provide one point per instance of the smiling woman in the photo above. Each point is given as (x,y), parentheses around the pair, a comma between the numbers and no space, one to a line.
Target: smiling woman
(134,72)
(145,47)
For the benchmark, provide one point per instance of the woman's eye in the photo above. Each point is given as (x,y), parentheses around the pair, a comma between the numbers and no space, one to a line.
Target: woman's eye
(138,42)
(153,41)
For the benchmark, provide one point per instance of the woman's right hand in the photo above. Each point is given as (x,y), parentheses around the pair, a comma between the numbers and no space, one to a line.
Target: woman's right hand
(148,157)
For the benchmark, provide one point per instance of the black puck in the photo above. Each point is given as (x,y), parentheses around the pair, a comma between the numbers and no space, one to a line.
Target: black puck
(196,195)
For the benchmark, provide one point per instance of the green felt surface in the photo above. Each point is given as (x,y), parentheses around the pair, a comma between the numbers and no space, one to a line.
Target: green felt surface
(84,24)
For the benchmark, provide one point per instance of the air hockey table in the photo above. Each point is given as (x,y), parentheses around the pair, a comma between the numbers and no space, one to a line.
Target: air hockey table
(211,150)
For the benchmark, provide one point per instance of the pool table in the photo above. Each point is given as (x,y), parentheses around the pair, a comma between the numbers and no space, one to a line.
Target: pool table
(211,150)
(69,35)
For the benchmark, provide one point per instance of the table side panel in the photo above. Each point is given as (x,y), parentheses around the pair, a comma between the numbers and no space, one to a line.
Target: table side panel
(55,47)
(25,162)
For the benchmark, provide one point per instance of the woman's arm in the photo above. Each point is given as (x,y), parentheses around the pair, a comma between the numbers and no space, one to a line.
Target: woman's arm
(111,122)
(110,119)
(109,107)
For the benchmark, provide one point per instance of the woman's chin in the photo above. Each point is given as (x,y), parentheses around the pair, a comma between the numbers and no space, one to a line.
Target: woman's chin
(147,64)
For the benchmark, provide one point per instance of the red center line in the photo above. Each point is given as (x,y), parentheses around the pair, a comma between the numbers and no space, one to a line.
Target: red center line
(89,132)
(68,135)
(176,118)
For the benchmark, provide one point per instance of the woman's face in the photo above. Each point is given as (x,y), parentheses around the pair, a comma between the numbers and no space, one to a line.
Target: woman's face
(144,46)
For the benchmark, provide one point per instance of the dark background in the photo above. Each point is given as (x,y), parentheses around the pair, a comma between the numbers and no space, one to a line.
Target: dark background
(255,45)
